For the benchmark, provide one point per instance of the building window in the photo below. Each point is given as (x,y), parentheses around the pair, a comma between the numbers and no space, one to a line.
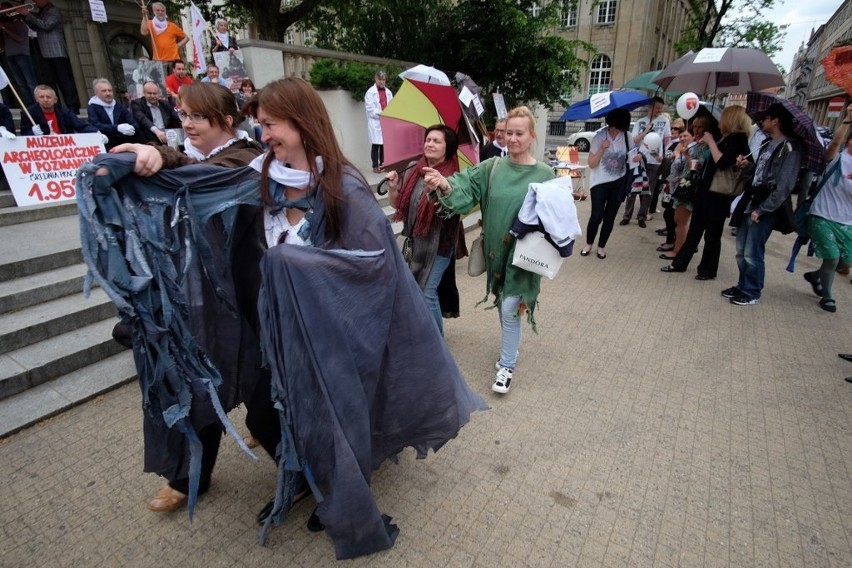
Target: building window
(308,37)
(601,73)
(291,38)
(535,10)
(568,14)
(606,12)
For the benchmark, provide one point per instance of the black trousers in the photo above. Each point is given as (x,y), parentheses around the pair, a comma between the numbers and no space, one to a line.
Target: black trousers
(668,217)
(709,212)
(377,155)
(606,200)
(61,67)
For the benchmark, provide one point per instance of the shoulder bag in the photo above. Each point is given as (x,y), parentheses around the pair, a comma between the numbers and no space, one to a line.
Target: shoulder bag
(534,253)
(476,259)
(729,182)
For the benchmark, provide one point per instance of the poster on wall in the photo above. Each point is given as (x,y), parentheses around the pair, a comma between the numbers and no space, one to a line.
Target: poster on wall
(231,68)
(43,169)
(138,71)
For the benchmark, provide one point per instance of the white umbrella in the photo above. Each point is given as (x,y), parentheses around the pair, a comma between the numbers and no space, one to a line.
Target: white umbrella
(426,74)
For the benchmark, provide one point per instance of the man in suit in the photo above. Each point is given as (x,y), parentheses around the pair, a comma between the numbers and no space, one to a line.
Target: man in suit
(153,114)
(497,147)
(109,117)
(50,117)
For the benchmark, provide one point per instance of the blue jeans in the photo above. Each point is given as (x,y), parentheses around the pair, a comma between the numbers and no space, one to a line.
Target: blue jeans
(751,249)
(431,290)
(510,324)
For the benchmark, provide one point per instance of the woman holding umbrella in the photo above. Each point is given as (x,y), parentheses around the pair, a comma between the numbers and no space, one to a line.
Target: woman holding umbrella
(608,168)
(434,239)
(499,186)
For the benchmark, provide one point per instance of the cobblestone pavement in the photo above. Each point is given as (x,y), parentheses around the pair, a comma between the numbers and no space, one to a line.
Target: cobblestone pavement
(650,423)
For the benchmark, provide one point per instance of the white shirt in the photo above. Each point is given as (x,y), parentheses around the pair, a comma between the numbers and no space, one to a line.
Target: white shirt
(613,164)
(663,127)
(276,225)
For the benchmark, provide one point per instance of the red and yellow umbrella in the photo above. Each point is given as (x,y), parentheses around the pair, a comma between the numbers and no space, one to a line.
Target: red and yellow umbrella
(416,107)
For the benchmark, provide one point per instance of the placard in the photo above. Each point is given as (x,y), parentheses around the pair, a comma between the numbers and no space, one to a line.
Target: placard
(599,101)
(500,105)
(139,71)
(43,169)
(710,55)
(98,11)
(232,68)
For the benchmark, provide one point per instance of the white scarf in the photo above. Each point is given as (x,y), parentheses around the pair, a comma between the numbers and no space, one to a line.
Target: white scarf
(286,176)
(190,150)
(159,25)
(223,39)
(108,107)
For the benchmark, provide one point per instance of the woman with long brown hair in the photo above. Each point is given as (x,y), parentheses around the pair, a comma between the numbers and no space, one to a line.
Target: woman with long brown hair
(359,372)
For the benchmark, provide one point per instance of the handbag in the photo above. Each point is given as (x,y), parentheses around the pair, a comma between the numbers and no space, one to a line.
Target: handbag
(729,182)
(784,222)
(534,253)
(687,187)
(476,258)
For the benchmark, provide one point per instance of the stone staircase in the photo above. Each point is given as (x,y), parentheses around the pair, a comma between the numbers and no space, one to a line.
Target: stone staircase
(56,347)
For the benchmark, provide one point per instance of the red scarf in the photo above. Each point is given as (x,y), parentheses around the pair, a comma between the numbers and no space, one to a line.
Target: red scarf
(425,209)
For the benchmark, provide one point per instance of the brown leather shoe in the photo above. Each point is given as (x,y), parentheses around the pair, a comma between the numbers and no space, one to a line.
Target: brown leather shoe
(167,499)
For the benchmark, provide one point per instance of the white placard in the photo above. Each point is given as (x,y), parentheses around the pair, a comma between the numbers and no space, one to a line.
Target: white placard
(98,11)
(477,104)
(599,101)
(710,55)
(465,96)
(43,169)
(500,105)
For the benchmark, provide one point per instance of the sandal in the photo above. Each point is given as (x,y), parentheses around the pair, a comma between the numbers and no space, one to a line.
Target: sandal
(167,499)
(828,305)
(812,278)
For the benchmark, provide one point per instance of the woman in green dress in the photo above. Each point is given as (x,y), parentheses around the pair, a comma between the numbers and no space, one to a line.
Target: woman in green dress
(499,186)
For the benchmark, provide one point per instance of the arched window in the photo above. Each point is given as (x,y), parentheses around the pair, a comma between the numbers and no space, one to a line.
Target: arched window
(601,73)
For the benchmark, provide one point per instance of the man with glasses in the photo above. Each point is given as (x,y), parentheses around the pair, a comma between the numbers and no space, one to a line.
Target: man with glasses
(375,100)
(774,176)
(153,114)
(497,147)
(109,117)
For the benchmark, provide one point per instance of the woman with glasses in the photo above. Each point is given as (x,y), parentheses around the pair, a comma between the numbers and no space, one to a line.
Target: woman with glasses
(209,116)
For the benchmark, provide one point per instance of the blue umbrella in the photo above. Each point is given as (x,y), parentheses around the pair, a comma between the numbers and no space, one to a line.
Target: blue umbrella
(600,104)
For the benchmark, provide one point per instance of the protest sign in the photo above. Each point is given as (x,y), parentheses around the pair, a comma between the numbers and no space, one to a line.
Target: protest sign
(43,169)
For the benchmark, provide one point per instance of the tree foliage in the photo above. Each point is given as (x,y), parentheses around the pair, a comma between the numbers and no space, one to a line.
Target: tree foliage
(731,23)
(499,43)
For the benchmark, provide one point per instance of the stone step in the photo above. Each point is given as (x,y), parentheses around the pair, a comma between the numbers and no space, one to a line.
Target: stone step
(42,287)
(54,317)
(17,215)
(41,362)
(46,400)
(7,199)
(39,246)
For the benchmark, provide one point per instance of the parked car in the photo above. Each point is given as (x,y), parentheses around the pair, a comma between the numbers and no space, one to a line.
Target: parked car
(583,140)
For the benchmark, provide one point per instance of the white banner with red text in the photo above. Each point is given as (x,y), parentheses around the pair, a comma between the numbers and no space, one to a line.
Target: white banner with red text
(43,169)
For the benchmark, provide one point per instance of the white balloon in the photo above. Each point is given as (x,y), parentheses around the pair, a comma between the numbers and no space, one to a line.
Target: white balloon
(687,105)
(653,141)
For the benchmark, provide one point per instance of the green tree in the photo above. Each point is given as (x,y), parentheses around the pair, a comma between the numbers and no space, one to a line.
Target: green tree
(505,45)
(731,23)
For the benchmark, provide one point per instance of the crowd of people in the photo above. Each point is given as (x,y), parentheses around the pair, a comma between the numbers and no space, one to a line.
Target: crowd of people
(697,160)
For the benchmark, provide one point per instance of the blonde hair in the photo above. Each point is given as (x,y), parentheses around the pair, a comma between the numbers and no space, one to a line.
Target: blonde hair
(734,119)
(679,124)
(523,112)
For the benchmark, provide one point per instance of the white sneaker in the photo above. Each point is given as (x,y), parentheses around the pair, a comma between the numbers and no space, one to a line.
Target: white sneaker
(502,381)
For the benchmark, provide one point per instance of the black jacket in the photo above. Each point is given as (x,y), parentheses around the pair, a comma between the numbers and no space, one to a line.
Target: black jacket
(142,114)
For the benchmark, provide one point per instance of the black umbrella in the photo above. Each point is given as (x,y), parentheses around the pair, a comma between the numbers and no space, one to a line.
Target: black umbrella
(803,127)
